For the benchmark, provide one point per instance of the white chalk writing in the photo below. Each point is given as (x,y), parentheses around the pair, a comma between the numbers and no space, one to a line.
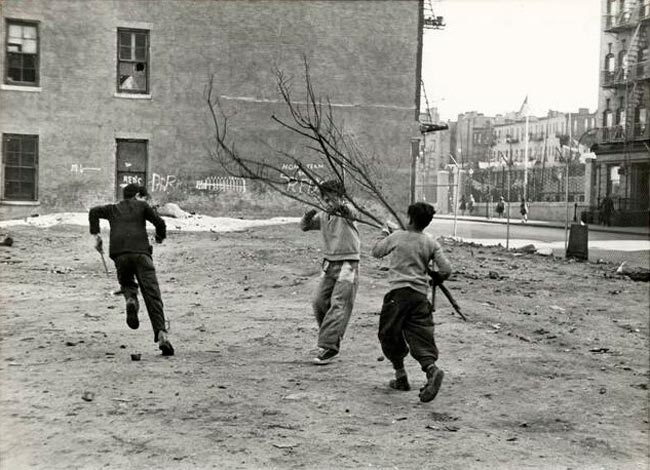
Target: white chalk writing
(79,169)
(131,179)
(299,183)
(309,166)
(162,183)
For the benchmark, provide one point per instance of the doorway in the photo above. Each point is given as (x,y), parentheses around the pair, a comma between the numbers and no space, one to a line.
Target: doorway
(130,164)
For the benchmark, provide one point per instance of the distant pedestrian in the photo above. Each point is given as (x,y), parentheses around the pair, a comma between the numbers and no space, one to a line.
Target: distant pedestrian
(607,209)
(470,204)
(463,205)
(501,207)
(523,209)
(406,319)
(131,252)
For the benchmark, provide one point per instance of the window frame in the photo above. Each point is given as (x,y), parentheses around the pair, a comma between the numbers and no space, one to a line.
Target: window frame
(37,61)
(35,167)
(147,61)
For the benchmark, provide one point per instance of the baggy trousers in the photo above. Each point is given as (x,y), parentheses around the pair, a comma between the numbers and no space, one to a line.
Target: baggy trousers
(131,266)
(334,301)
(406,321)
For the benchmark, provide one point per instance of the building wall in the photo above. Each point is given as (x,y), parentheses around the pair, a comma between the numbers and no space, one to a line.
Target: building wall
(622,161)
(362,55)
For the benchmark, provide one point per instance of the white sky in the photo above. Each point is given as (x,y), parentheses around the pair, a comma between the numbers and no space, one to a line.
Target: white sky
(493,53)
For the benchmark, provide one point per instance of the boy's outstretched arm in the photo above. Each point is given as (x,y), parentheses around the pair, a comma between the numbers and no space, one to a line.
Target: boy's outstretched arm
(443,264)
(384,245)
(161,228)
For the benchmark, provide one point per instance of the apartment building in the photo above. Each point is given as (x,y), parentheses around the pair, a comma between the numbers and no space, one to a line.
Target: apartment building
(622,165)
(96,94)
(548,138)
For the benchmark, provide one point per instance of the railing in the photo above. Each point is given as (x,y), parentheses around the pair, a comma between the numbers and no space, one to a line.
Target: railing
(626,203)
(616,77)
(642,70)
(644,10)
(640,131)
(622,20)
(637,131)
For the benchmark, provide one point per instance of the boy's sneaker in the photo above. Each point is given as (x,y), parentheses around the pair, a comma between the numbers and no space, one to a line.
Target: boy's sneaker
(432,387)
(401,383)
(132,308)
(164,345)
(325,356)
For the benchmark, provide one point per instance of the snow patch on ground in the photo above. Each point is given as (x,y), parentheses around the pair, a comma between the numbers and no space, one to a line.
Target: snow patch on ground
(194,223)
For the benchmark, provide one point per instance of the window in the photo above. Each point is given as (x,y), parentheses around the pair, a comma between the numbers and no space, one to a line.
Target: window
(132,61)
(608,118)
(20,162)
(22,53)
(614,180)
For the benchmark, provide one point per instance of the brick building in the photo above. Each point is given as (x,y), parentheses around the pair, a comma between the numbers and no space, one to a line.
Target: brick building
(622,165)
(96,94)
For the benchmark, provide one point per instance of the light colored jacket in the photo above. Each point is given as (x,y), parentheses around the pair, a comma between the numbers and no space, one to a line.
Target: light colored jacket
(340,235)
(411,253)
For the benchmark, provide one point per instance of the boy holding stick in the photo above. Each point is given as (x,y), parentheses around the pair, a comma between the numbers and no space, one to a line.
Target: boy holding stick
(406,320)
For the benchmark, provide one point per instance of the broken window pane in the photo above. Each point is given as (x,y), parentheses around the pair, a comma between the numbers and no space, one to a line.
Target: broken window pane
(22,50)
(132,60)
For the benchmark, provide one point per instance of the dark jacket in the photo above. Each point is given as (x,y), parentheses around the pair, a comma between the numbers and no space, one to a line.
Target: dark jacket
(128,220)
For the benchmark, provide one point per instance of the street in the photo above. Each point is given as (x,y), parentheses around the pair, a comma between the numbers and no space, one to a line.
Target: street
(606,246)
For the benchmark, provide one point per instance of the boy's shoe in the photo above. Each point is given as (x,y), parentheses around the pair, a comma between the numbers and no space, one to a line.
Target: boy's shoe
(325,356)
(401,383)
(132,308)
(432,387)
(164,345)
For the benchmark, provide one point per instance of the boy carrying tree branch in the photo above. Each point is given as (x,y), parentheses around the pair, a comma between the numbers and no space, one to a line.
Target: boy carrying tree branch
(339,281)
(406,319)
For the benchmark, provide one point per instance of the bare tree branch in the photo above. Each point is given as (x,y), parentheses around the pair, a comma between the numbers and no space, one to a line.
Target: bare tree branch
(337,153)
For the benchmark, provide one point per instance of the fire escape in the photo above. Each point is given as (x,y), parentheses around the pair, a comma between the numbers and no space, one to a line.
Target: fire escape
(632,74)
(629,84)
(431,21)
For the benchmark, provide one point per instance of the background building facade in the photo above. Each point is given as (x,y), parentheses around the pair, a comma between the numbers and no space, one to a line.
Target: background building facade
(622,165)
(98,94)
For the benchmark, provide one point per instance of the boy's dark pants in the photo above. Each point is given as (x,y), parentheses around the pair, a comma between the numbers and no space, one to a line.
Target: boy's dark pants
(140,267)
(406,321)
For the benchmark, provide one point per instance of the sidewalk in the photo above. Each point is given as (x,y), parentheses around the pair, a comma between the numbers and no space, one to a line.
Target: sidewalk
(544,223)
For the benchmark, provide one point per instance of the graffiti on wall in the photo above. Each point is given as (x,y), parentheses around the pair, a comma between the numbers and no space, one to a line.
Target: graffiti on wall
(161,183)
(222,184)
(79,169)
(297,181)
(131,179)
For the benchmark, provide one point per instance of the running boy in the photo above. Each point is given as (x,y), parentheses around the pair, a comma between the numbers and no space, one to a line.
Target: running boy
(340,278)
(130,251)
(406,319)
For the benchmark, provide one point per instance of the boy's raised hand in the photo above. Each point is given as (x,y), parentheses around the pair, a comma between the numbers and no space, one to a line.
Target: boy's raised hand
(388,228)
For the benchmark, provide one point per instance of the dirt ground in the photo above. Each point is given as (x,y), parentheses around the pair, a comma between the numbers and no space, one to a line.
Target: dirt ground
(550,372)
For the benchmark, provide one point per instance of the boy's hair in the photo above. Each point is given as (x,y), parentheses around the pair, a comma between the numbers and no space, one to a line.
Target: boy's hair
(332,187)
(130,190)
(420,214)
